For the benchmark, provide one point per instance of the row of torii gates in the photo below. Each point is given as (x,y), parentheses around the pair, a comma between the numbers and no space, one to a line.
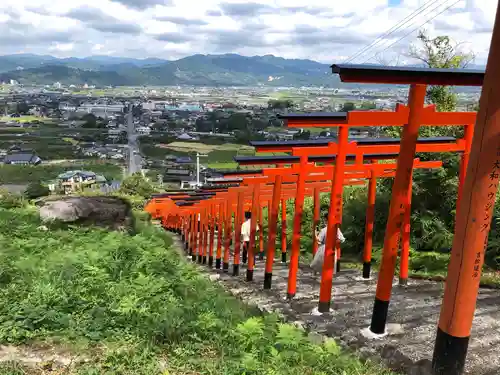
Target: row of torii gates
(311,167)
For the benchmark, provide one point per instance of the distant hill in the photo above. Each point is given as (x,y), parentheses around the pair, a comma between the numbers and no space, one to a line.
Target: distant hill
(27,61)
(214,70)
(202,70)
(59,73)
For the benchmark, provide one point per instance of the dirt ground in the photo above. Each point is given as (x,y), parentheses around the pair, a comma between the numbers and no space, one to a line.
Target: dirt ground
(412,322)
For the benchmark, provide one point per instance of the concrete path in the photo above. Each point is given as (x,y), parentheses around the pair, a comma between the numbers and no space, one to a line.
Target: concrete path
(413,315)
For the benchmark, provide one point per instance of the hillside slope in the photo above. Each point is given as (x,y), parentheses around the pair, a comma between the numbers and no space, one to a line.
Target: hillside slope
(212,70)
(132,305)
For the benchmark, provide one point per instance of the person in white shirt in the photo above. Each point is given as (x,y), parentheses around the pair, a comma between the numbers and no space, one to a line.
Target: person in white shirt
(245,234)
(317,263)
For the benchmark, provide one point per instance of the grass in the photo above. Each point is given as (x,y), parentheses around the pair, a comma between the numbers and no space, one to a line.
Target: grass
(223,165)
(218,156)
(233,165)
(19,174)
(315,130)
(204,148)
(312,130)
(425,265)
(9,130)
(132,305)
(22,119)
(72,141)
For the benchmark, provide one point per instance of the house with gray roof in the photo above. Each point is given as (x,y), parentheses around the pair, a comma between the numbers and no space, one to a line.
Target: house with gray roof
(22,158)
(177,175)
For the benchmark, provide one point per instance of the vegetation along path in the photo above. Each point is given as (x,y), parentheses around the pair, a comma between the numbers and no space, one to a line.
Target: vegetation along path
(87,301)
(413,315)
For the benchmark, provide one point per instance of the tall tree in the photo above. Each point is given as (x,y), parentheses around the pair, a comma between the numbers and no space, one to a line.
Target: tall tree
(368,105)
(347,107)
(36,190)
(280,103)
(136,184)
(90,121)
(23,108)
(441,52)
(238,121)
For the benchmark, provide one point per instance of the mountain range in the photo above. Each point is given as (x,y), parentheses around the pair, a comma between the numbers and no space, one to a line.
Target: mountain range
(196,70)
(206,70)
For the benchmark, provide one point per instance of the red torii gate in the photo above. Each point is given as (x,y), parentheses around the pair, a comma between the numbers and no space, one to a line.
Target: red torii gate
(327,147)
(368,171)
(277,193)
(428,145)
(318,173)
(411,117)
(286,192)
(299,201)
(434,145)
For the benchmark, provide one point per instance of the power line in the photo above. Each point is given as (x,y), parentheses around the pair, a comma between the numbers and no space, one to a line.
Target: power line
(392,30)
(412,31)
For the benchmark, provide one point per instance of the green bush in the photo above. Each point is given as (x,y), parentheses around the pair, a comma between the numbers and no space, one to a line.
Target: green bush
(9,200)
(137,185)
(90,285)
(130,302)
(36,190)
(429,262)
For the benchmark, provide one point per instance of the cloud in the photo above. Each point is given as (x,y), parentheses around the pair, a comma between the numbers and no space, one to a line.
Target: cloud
(312,10)
(314,29)
(101,21)
(143,4)
(182,20)
(446,26)
(252,9)
(15,37)
(173,37)
(63,47)
(214,13)
(15,32)
(226,40)
(118,28)
(245,9)
(38,10)
(311,35)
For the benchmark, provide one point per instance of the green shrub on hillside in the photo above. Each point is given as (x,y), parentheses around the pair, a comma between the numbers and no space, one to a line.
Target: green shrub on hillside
(134,306)
(9,200)
(137,185)
(36,190)
(429,262)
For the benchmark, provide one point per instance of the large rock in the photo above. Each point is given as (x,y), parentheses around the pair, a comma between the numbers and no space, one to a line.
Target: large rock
(103,211)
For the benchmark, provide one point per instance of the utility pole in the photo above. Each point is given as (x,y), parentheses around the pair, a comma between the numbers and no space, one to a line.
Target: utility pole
(130,130)
(198,167)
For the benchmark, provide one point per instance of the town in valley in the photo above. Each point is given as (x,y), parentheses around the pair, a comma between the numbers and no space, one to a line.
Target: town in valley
(163,132)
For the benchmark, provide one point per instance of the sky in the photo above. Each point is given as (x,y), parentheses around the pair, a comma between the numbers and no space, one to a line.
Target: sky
(322,30)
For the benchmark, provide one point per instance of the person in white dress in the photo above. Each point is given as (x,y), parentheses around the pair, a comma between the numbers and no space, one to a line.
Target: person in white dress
(245,234)
(319,257)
